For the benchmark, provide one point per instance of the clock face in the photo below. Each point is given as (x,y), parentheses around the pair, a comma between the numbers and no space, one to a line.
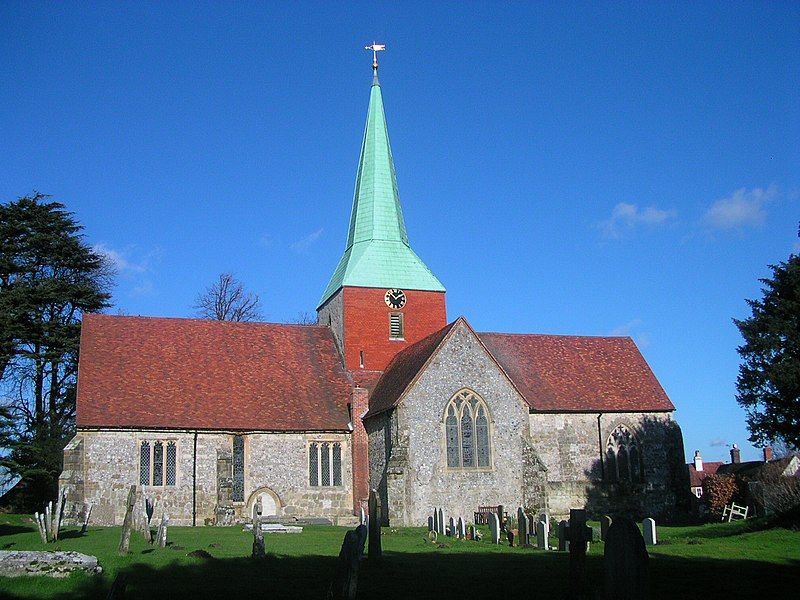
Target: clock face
(395,299)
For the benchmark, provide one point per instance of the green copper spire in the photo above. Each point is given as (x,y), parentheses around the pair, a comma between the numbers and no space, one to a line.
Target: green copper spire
(378,253)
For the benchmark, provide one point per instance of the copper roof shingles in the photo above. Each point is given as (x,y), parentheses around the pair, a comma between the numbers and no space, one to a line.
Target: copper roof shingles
(578,373)
(194,374)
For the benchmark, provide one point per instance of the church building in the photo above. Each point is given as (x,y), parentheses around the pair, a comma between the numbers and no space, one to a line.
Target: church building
(210,417)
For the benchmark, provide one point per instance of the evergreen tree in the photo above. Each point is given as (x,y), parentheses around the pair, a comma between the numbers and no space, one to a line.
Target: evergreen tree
(49,277)
(769,376)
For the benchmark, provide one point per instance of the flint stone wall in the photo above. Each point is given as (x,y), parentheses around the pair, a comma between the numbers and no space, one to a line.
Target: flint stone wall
(277,461)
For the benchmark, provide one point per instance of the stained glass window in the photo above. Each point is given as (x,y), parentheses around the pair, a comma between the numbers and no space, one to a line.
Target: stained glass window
(337,464)
(237,494)
(451,425)
(313,464)
(467,439)
(482,431)
(171,460)
(325,463)
(158,463)
(144,464)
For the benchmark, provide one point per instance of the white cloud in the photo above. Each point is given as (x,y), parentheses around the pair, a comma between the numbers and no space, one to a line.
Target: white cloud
(744,208)
(119,260)
(304,243)
(626,217)
(633,329)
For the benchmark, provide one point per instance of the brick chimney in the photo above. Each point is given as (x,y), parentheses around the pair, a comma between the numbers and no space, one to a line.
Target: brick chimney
(698,461)
(768,455)
(735,454)
(360,449)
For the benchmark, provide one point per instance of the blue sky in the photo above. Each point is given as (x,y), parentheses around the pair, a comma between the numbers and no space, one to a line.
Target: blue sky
(574,168)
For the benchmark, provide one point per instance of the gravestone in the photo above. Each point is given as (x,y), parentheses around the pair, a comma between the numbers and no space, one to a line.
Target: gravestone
(605,523)
(494,526)
(471,532)
(579,537)
(440,527)
(345,583)
(431,526)
(461,532)
(524,527)
(435,520)
(161,534)
(451,527)
(542,534)
(259,552)
(362,519)
(87,514)
(563,536)
(374,528)
(649,526)
(546,518)
(500,516)
(511,534)
(625,561)
(125,540)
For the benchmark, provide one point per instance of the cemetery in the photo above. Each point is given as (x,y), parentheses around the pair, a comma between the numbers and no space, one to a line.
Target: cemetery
(635,560)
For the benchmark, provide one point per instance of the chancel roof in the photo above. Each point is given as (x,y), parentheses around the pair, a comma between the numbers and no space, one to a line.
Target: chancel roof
(143,372)
(553,373)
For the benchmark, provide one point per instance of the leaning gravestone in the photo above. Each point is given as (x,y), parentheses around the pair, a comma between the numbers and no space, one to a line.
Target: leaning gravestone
(523,526)
(494,526)
(462,534)
(625,561)
(345,583)
(579,537)
(127,523)
(440,528)
(542,534)
(605,523)
(649,526)
(563,536)
(374,528)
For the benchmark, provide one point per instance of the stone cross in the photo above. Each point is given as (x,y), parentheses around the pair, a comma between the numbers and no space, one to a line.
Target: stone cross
(460,531)
(440,527)
(649,526)
(542,534)
(494,526)
(524,527)
(259,551)
(125,540)
(375,519)
(605,523)
(626,562)
(563,536)
(451,527)
(579,537)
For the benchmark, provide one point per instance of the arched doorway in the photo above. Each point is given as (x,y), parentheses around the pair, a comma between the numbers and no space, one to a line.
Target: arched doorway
(270,503)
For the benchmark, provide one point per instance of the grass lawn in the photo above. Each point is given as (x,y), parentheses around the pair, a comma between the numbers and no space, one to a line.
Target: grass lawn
(717,561)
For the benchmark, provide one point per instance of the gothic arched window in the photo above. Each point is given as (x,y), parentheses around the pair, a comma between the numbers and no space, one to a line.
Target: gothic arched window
(623,458)
(467,435)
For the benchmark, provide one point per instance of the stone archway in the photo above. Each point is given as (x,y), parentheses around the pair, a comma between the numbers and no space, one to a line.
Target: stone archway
(271,505)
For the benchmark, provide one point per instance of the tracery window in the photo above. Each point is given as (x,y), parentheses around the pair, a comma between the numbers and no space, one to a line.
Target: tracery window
(156,466)
(467,435)
(325,464)
(237,494)
(623,458)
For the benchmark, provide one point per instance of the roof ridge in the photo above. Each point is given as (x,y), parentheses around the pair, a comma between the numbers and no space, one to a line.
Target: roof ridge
(561,335)
(201,320)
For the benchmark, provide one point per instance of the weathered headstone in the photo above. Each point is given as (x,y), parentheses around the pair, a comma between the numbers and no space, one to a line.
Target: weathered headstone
(494,526)
(460,529)
(345,583)
(161,534)
(579,536)
(451,527)
(524,527)
(440,528)
(542,535)
(501,517)
(546,518)
(511,534)
(127,523)
(563,536)
(375,518)
(436,520)
(626,562)
(471,532)
(259,552)
(649,526)
(431,526)
(605,523)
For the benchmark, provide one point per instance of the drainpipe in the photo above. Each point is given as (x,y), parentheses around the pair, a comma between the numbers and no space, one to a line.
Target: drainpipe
(194,481)
(600,447)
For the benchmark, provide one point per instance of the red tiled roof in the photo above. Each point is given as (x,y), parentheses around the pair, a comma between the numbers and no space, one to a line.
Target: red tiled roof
(402,371)
(696,477)
(554,373)
(188,373)
(578,373)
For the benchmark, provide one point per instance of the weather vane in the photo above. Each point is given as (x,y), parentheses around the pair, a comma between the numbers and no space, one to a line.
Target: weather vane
(375,47)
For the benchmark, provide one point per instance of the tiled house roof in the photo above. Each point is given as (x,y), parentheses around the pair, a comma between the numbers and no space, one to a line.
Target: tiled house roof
(696,477)
(553,373)
(141,372)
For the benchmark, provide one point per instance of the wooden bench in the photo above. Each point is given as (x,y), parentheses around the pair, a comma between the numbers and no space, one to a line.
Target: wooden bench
(482,515)
(734,511)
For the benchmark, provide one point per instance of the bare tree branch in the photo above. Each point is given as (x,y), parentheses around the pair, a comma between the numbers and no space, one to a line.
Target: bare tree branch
(227,300)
